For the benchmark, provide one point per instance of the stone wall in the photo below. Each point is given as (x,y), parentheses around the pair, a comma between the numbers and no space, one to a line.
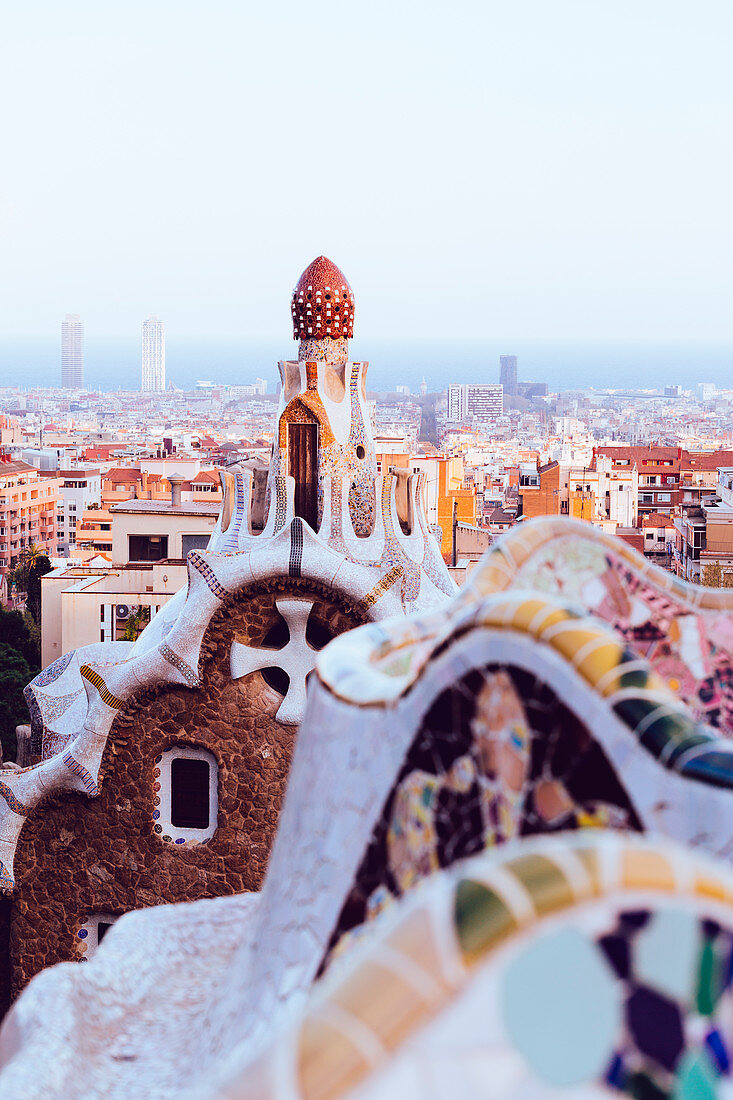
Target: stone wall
(79,856)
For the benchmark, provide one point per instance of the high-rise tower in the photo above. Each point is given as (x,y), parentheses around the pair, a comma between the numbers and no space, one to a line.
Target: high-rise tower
(153,368)
(508,374)
(72,352)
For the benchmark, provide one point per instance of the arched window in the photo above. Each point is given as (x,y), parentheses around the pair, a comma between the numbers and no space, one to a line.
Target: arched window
(303,466)
(186,797)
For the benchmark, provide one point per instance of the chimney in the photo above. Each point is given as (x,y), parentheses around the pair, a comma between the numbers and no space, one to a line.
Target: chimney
(175,483)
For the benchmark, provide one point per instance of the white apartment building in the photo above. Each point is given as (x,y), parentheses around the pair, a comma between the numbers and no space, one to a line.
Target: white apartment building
(153,365)
(91,601)
(78,490)
(481,402)
(618,492)
(258,388)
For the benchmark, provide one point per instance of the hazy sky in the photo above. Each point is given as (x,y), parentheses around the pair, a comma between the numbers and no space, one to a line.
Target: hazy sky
(538,168)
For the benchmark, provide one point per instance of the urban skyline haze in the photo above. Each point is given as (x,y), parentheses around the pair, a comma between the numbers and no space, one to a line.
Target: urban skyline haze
(553,171)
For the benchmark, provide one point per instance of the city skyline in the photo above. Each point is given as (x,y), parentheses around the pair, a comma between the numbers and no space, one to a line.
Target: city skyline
(564,365)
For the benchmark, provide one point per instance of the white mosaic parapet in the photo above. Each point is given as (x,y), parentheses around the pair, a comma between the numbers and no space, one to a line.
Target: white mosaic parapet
(373,689)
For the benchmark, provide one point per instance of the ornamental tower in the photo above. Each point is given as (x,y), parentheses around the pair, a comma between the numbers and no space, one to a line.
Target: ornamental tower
(170,754)
(323,474)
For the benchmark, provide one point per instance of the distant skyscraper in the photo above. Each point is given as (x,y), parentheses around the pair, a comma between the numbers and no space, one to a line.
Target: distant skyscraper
(508,374)
(72,352)
(153,372)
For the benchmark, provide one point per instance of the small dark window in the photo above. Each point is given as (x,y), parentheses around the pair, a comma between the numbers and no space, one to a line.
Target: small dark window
(103,928)
(147,547)
(360,452)
(189,793)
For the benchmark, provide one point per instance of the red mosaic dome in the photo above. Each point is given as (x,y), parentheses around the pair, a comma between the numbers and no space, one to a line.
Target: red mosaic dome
(322,303)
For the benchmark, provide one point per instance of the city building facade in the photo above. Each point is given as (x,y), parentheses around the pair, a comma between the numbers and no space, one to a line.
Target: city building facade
(128,555)
(153,357)
(72,352)
(78,490)
(28,509)
(480,402)
(704,537)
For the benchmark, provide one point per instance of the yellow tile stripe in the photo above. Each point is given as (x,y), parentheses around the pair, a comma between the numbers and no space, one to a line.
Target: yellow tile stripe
(595,651)
(381,587)
(105,695)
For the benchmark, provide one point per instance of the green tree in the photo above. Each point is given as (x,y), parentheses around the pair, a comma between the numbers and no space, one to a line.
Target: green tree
(136,624)
(26,577)
(20,631)
(15,673)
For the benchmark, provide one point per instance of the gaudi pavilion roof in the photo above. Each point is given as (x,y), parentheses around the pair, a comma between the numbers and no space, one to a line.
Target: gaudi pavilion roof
(322,303)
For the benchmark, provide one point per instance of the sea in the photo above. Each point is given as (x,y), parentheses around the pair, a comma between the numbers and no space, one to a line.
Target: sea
(114,363)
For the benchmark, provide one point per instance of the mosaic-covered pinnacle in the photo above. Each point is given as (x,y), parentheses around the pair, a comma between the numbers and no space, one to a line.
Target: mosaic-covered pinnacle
(323,303)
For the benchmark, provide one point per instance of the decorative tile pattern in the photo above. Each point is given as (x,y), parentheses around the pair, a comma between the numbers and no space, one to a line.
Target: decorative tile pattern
(213,583)
(636,694)
(83,773)
(53,671)
(105,695)
(239,512)
(53,743)
(281,503)
(684,632)
(36,719)
(335,352)
(381,587)
(178,662)
(14,803)
(559,1011)
(296,547)
(54,706)
(496,757)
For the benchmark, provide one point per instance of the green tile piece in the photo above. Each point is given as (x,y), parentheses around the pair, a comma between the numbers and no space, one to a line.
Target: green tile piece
(695,1078)
(482,918)
(708,982)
